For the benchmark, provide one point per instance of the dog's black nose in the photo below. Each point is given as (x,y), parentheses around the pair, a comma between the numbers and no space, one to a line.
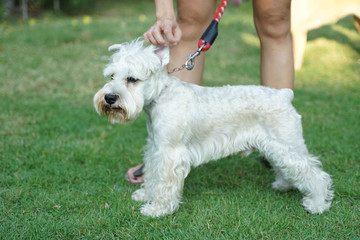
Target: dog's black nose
(111,98)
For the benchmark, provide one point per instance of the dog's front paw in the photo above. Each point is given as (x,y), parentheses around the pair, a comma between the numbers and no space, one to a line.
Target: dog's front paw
(154,209)
(316,205)
(140,195)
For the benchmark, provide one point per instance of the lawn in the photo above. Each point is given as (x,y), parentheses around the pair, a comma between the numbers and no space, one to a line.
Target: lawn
(62,166)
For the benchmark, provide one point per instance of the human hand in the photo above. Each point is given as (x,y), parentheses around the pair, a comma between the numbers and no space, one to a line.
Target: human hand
(164,28)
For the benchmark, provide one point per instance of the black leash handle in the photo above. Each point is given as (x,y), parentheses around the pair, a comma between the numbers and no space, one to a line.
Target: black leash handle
(211,32)
(209,36)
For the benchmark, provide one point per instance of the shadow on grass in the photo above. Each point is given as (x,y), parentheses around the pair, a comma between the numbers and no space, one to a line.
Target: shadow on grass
(337,33)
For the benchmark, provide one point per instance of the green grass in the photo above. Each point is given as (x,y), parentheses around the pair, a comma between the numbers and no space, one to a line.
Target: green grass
(62,166)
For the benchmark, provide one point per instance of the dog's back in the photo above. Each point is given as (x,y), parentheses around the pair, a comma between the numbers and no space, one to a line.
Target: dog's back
(238,96)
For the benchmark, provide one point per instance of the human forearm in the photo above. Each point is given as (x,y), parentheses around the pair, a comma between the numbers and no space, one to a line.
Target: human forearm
(164,9)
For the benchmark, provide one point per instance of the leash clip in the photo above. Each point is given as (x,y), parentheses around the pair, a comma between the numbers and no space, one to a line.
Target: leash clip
(189,64)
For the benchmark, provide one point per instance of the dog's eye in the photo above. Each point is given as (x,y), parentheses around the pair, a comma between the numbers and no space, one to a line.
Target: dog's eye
(131,79)
(112,76)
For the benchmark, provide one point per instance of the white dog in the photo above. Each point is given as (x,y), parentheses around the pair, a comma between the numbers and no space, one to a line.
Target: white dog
(189,125)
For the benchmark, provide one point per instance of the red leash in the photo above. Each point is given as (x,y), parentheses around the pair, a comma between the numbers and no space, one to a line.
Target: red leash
(211,32)
(207,39)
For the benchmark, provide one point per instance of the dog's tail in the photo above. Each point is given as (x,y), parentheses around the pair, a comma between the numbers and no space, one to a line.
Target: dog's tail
(287,93)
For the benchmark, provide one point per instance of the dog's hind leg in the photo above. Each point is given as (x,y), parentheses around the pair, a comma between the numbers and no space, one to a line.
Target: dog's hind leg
(280,182)
(302,171)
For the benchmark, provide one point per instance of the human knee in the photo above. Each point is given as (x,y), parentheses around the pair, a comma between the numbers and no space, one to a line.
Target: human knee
(273,22)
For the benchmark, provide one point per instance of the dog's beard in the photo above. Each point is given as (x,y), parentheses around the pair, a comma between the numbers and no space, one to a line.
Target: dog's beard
(119,112)
(115,114)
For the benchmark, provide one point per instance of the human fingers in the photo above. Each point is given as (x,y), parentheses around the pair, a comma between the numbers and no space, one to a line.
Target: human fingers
(157,35)
(177,34)
(154,36)
(146,37)
(171,31)
(149,38)
(168,33)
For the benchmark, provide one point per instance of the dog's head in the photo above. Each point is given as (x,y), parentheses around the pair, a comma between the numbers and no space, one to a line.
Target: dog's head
(136,71)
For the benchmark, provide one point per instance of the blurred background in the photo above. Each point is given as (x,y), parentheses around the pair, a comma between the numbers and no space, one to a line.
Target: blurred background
(62,166)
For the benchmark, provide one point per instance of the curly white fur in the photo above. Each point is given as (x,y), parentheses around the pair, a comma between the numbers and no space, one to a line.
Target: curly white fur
(189,125)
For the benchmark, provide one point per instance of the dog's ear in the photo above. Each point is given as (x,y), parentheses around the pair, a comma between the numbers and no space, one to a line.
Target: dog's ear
(164,55)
